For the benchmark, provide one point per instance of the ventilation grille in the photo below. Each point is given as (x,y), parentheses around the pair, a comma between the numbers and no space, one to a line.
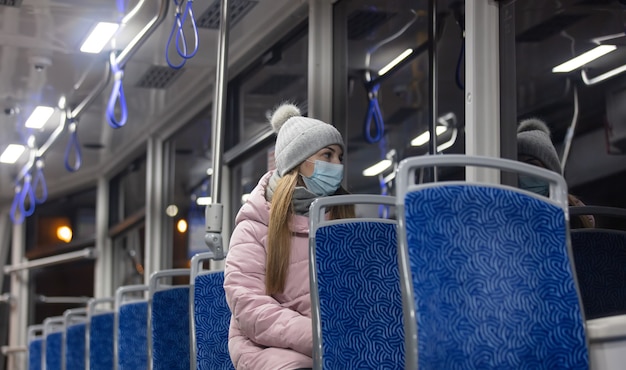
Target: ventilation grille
(238,8)
(159,77)
(13,3)
(362,23)
(274,84)
(549,27)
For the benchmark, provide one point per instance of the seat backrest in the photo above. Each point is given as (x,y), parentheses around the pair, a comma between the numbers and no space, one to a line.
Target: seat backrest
(600,259)
(211,317)
(131,328)
(169,322)
(74,339)
(53,333)
(100,334)
(491,275)
(355,288)
(35,347)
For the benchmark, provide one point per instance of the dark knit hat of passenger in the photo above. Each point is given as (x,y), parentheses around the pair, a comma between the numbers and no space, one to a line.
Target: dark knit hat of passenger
(299,137)
(533,140)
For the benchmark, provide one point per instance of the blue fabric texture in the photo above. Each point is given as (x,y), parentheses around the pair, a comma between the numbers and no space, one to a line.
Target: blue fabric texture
(170,329)
(493,284)
(132,336)
(53,351)
(101,341)
(212,319)
(34,354)
(360,298)
(600,257)
(75,347)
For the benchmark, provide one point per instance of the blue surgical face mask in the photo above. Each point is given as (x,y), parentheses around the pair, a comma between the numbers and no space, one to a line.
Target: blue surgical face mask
(325,179)
(535,185)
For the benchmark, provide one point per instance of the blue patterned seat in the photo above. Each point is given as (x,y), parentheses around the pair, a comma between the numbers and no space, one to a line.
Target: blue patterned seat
(101,341)
(34,354)
(132,339)
(212,320)
(355,288)
(486,271)
(170,328)
(75,347)
(53,350)
(600,259)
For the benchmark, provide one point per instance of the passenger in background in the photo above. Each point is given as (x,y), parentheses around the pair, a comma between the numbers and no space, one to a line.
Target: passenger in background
(535,147)
(267,268)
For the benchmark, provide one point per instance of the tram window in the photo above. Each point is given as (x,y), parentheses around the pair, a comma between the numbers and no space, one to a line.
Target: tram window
(385,30)
(279,75)
(61,224)
(246,174)
(127,192)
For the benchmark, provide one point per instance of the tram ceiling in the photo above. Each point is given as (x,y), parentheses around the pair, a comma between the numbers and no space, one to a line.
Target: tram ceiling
(40,62)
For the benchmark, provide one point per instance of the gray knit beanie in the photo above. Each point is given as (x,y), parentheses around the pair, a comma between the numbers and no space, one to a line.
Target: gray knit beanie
(533,140)
(299,137)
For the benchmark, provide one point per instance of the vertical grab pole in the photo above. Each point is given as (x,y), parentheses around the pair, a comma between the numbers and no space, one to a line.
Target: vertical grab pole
(214,211)
(432,79)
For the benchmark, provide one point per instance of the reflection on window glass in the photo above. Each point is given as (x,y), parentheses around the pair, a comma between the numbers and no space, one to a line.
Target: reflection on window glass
(279,75)
(388,112)
(586,99)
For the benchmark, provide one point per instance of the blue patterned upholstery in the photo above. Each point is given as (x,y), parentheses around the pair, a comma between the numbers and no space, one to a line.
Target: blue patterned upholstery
(359,294)
(600,257)
(170,329)
(101,342)
(212,319)
(132,336)
(75,347)
(34,354)
(53,351)
(492,280)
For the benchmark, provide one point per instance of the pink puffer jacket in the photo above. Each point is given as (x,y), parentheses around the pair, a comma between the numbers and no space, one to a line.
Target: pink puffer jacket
(267,332)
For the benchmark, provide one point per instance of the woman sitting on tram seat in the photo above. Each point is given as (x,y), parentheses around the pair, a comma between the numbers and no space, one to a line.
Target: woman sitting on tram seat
(267,268)
(535,147)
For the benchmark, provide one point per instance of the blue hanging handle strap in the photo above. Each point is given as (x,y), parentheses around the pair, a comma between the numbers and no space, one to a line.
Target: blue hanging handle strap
(27,195)
(117,94)
(17,216)
(73,144)
(40,182)
(374,116)
(180,36)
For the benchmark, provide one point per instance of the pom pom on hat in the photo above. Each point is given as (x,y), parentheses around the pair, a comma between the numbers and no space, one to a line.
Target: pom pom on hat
(299,137)
(533,140)
(282,114)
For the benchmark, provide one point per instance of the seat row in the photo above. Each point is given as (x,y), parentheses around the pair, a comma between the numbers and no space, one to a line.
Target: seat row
(131,331)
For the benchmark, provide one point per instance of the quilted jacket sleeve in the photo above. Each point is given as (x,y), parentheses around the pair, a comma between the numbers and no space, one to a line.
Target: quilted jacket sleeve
(259,316)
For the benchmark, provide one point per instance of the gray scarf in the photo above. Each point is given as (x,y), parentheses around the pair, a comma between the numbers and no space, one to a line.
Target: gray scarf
(302,197)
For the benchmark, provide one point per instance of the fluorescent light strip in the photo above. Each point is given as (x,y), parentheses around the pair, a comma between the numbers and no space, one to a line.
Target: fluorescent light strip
(12,153)
(100,35)
(377,168)
(39,117)
(584,58)
(395,62)
(203,201)
(425,137)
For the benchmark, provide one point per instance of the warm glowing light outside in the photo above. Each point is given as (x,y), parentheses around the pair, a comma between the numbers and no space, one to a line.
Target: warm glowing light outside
(181,226)
(64,233)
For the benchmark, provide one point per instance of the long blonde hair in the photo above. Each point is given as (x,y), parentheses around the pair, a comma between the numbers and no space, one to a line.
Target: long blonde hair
(279,233)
